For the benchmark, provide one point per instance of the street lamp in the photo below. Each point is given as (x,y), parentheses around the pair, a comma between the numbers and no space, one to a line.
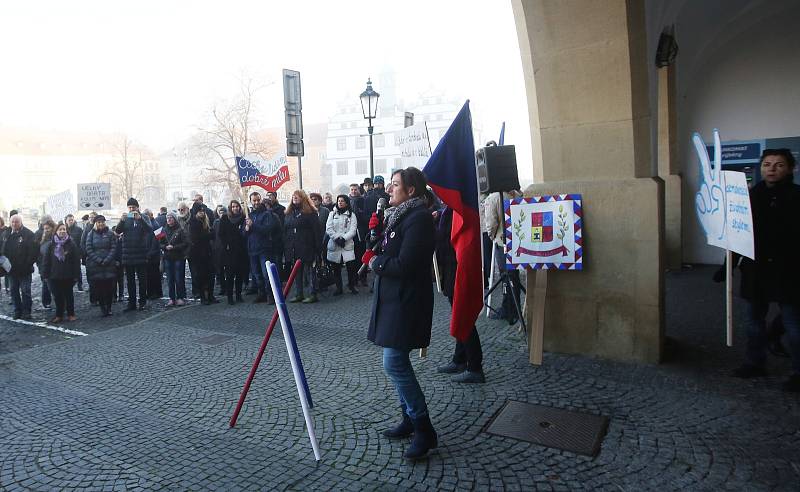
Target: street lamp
(369,107)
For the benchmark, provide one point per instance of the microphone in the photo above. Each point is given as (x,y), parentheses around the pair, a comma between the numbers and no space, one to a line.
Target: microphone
(373,233)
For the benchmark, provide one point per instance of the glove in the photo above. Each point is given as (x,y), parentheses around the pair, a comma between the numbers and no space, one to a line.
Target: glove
(368,255)
(340,242)
(373,221)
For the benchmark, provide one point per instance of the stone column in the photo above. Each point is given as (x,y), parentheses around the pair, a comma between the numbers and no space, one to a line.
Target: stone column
(586,81)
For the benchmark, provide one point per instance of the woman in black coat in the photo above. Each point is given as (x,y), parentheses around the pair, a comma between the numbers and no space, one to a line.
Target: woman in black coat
(174,245)
(101,250)
(303,236)
(233,251)
(402,309)
(773,275)
(61,266)
(200,259)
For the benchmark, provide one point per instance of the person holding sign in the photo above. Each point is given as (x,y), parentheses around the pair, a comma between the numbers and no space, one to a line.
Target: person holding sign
(774,275)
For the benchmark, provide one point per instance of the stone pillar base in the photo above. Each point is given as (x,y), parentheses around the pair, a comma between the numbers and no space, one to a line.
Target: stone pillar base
(614,307)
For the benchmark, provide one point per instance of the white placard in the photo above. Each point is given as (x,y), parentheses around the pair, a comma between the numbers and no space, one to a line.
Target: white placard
(94,196)
(738,215)
(59,205)
(414,144)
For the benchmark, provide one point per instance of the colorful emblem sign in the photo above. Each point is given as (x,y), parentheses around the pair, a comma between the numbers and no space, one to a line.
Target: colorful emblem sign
(544,232)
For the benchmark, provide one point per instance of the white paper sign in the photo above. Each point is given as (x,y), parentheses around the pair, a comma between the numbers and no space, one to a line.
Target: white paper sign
(59,205)
(414,144)
(94,196)
(722,203)
(738,215)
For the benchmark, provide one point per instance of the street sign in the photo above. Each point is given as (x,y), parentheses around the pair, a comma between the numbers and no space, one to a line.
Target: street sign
(94,196)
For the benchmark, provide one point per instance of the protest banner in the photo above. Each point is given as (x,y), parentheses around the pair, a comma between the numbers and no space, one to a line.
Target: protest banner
(269,174)
(94,196)
(414,144)
(722,205)
(59,205)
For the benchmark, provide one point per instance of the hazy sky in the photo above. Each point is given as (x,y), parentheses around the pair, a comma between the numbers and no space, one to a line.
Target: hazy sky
(153,69)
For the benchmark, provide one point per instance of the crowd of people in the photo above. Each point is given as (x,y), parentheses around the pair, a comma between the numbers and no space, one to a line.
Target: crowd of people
(226,250)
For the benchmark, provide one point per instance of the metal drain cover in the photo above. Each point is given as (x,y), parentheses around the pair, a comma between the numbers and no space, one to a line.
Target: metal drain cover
(214,339)
(576,432)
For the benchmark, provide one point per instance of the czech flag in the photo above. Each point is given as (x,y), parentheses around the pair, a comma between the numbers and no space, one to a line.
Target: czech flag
(452,175)
(160,233)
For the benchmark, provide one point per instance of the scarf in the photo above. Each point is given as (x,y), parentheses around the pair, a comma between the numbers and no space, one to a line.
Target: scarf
(394,214)
(59,252)
(236,219)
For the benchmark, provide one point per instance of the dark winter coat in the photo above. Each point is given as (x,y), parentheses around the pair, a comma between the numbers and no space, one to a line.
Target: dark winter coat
(21,250)
(402,306)
(232,243)
(137,241)
(55,269)
(200,239)
(101,252)
(303,237)
(371,201)
(176,237)
(775,273)
(76,234)
(264,236)
(216,247)
(445,254)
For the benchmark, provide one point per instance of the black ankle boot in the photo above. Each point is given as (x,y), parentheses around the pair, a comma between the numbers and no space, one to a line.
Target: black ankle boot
(404,429)
(424,439)
(230,299)
(239,297)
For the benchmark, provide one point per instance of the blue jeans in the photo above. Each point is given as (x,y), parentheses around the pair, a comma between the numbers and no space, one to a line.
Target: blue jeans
(258,269)
(757,332)
(397,366)
(21,294)
(176,278)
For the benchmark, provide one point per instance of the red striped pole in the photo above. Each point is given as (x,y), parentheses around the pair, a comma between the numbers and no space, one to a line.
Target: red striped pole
(286,289)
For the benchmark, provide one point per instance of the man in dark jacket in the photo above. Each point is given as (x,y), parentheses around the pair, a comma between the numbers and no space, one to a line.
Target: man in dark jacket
(263,231)
(773,275)
(374,195)
(402,306)
(137,247)
(21,250)
(76,234)
(161,218)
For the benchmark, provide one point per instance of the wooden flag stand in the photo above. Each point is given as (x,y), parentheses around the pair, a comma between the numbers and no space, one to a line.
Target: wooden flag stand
(536,332)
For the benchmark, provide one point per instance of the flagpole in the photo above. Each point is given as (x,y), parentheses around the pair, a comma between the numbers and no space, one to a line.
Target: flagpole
(729,297)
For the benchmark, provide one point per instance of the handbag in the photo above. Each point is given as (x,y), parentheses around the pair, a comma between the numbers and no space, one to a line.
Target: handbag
(324,273)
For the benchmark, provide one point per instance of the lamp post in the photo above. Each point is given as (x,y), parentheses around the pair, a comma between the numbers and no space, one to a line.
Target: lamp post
(369,108)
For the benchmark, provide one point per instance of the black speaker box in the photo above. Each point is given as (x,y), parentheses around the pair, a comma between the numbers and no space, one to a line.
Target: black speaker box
(497,168)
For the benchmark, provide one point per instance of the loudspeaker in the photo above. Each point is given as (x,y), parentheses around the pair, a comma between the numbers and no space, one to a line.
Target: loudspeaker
(497,168)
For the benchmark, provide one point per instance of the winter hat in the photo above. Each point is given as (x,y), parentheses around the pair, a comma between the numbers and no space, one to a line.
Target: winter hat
(378,179)
(173,215)
(132,202)
(99,218)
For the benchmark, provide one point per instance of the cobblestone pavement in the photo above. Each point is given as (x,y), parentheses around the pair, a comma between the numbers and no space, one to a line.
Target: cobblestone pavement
(146,405)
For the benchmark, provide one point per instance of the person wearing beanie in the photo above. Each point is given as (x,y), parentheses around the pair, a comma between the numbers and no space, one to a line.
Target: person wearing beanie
(137,241)
(100,245)
(174,245)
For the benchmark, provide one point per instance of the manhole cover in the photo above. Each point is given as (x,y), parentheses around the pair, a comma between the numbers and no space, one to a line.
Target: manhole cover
(214,339)
(577,432)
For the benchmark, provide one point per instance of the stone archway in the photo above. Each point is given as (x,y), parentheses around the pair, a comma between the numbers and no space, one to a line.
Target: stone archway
(585,71)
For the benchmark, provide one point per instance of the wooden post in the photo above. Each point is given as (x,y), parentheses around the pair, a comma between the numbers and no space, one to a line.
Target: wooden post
(729,297)
(536,343)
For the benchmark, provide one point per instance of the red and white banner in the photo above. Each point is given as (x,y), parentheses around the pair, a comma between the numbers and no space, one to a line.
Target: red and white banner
(269,174)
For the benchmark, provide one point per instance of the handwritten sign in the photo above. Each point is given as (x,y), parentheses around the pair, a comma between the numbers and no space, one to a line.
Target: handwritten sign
(94,196)
(722,203)
(269,174)
(544,232)
(414,144)
(59,205)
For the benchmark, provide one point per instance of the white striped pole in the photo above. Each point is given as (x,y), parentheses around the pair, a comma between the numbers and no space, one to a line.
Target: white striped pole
(280,304)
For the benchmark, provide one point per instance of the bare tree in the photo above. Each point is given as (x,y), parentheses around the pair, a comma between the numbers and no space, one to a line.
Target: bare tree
(126,171)
(232,132)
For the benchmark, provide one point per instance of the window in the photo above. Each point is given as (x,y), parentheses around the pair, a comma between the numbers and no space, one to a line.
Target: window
(341,168)
(361,143)
(380,141)
(439,116)
(380,166)
(341,144)
(398,163)
(361,166)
